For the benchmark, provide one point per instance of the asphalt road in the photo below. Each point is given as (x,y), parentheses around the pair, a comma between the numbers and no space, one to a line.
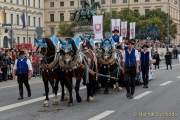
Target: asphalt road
(160,102)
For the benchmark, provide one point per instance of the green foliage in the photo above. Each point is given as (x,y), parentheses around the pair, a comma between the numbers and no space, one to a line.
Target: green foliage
(155,18)
(66,29)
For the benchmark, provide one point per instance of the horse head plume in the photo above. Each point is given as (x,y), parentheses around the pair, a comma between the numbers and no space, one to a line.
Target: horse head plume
(77,40)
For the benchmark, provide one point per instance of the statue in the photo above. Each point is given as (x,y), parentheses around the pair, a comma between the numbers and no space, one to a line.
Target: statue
(86,13)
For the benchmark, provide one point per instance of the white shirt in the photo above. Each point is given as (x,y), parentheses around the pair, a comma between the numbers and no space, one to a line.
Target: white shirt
(136,54)
(28,63)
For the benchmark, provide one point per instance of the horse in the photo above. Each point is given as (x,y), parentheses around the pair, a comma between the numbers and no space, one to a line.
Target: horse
(48,52)
(109,64)
(91,62)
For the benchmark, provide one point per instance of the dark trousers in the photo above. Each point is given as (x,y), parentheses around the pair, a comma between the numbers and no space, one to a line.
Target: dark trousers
(156,66)
(169,65)
(130,74)
(23,79)
(145,74)
(4,74)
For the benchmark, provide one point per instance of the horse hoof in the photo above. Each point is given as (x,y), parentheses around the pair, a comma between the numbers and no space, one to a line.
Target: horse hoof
(106,92)
(70,104)
(55,102)
(91,98)
(79,99)
(46,103)
(120,88)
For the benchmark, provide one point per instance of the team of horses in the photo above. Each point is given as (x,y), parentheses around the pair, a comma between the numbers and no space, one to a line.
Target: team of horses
(76,63)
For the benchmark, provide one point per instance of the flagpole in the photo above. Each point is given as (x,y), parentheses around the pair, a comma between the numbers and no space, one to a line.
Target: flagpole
(27,20)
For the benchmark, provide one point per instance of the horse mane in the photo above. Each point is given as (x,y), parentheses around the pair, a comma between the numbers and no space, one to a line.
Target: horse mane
(51,50)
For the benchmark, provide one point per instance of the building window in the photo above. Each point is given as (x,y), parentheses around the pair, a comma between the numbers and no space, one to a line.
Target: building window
(135,0)
(146,11)
(17,2)
(158,0)
(52,30)
(103,1)
(39,22)
(136,11)
(24,40)
(124,1)
(29,40)
(71,3)
(159,9)
(34,3)
(4,0)
(52,17)
(51,4)
(39,3)
(114,1)
(12,19)
(61,3)
(5,18)
(29,3)
(18,40)
(61,16)
(17,19)
(11,1)
(34,19)
(71,16)
(147,0)
(23,3)
(29,20)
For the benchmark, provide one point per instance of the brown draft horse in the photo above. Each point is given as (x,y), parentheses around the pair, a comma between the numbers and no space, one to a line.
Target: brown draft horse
(77,64)
(90,60)
(48,51)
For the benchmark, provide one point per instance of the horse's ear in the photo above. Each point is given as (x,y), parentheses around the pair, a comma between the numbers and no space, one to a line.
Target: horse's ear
(77,40)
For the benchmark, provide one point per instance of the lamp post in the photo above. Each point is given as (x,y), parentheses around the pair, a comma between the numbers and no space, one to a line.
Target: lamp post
(168,20)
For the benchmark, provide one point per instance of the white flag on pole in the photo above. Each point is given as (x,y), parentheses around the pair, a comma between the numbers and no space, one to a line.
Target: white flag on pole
(98,27)
(116,24)
(124,29)
(132,30)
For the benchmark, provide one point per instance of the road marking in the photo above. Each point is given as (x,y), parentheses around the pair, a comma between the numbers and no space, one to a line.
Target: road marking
(16,105)
(142,95)
(15,85)
(178,77)
(162,68)
(102,115)
(166,83)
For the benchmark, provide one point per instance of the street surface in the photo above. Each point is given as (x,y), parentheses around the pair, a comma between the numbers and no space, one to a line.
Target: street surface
(160,102)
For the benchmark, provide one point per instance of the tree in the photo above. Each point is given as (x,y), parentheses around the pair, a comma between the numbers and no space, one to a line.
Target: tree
(66,29)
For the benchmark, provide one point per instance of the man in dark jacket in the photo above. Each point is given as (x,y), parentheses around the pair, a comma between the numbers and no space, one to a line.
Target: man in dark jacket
(131,68)
(168,59)
(145,61)
(157,58)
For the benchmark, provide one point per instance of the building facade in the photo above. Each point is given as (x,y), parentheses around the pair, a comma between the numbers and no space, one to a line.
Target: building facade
(57,11)
(11,12)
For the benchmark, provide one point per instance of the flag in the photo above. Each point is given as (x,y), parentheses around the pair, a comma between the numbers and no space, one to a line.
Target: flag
(132,31)
(98,27)
(115,24)
(23,19)
(124,29)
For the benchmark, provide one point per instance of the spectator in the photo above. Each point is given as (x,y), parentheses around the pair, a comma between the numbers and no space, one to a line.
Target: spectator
(168,59)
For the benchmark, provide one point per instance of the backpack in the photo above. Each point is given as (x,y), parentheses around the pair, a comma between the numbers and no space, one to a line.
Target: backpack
(22,66)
